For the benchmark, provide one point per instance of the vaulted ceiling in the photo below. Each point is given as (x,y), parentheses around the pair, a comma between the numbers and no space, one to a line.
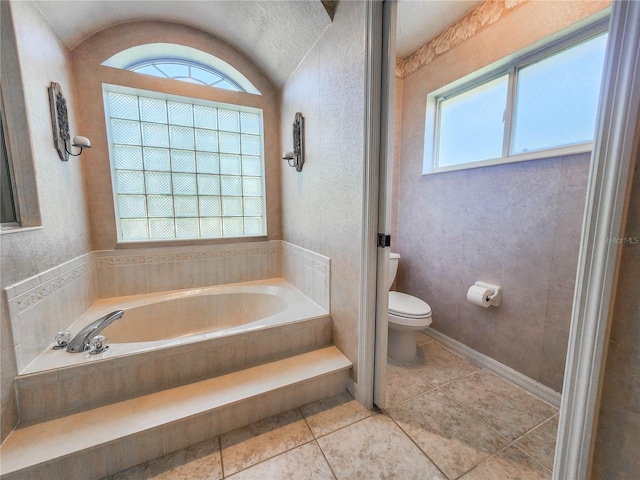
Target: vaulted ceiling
(274,34)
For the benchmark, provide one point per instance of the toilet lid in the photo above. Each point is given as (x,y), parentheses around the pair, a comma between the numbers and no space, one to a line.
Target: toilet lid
(408,306)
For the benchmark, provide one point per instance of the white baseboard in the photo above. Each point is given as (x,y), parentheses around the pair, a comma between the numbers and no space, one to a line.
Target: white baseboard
(536,389)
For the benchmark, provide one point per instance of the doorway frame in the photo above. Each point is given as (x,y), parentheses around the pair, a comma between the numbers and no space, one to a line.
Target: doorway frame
(608,193)
(607,198)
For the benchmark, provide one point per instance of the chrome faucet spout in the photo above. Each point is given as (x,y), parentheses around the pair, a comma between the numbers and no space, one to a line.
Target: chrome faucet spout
(81,341)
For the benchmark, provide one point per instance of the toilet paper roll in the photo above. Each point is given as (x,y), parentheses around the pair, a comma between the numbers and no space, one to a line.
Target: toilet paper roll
(479,296)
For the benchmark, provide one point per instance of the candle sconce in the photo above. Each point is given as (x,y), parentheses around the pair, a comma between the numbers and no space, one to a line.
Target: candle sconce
(60,125)
(296,158)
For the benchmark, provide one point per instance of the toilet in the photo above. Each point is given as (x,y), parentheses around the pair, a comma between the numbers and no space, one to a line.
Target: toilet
(407,315)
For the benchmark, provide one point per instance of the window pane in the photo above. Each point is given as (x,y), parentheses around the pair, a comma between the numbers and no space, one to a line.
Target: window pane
(153,110)
(132,206)
(232,227)
(130,181)
(160,205)
(180,114)
(207,140)
(155,135)
(229,142)
(128,158)
(230,164)
(251,144)
(7,205)
(125,132)
(229,120)
(181,137)
(123,106)
(183,161)
(208,162)
(211,227)
(158,182)
(186,206)
(251,165)
(253,226)
(134,229)
(206,117)
(472,124)
(231,185)
(250,123)
(157,159)
(187,228)
(161,228)
(557,98)
(184,184)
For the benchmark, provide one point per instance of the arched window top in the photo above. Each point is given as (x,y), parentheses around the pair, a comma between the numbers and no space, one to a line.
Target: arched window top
(187,64)
(186,71)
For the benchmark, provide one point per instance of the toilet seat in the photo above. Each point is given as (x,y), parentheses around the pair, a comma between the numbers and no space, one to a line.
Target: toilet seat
(408,310)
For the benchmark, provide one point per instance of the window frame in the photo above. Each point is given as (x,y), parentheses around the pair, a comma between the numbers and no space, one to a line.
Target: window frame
(137,91)
(6,147)
(508,66)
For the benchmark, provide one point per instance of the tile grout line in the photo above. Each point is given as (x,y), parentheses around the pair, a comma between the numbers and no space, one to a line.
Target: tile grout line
(315,439)
(464,408)
(221,460)
(417,446)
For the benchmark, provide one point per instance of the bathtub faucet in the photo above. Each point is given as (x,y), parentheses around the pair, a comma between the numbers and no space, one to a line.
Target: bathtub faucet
(81,341)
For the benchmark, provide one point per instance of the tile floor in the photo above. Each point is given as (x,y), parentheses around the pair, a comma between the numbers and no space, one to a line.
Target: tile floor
(445,419)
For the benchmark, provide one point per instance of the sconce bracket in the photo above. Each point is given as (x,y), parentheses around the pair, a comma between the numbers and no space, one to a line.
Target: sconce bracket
(59,120)
(298,141)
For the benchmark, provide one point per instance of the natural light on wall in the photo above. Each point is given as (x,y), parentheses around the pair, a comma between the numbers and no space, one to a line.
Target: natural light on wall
(542,104)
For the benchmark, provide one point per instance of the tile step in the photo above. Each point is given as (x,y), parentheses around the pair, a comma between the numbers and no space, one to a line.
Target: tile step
(108,439)
(53,393)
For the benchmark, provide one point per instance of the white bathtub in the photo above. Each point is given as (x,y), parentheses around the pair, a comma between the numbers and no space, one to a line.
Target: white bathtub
(166,319)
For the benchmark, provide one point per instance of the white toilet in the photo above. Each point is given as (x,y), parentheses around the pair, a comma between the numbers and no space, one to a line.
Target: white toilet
(407,315)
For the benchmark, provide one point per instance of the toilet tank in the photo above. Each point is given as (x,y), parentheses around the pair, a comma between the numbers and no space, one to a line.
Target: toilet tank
(394,258)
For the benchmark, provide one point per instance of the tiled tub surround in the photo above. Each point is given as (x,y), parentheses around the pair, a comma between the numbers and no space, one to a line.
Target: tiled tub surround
(46,303)
(49,302)
(91,382)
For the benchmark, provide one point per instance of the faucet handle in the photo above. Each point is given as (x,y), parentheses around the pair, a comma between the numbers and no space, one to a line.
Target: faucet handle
(61,339)
(98,344)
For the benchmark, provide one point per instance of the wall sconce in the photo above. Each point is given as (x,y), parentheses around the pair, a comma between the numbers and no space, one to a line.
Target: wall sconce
(296,158)
(60,125)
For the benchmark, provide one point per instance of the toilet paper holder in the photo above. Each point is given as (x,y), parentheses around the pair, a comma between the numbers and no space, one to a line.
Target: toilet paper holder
(496,297)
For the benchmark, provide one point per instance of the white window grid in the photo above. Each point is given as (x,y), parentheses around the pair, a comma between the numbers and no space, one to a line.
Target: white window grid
(186,71)
(185,168)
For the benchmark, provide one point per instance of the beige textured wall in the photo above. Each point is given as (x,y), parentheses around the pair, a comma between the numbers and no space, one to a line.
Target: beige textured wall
(322,205)
(90,75)
(617,438)
(64,234)
(517,225)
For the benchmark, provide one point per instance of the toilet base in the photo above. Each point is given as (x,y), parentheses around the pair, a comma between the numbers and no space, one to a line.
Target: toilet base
(402,345)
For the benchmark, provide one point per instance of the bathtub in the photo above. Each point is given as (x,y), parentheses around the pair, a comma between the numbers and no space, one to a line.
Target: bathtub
(164,320)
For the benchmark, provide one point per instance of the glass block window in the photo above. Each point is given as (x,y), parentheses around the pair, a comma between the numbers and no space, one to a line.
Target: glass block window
(186,71)
(185,169)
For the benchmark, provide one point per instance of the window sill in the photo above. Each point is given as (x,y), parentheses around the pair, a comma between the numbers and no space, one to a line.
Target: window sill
(523,157)
(18,229)
(122,245)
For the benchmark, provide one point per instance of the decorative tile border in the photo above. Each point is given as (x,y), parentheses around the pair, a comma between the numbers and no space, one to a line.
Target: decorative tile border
(307,258)
(48,288)
(309,272)
(484,15)
(111,258)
